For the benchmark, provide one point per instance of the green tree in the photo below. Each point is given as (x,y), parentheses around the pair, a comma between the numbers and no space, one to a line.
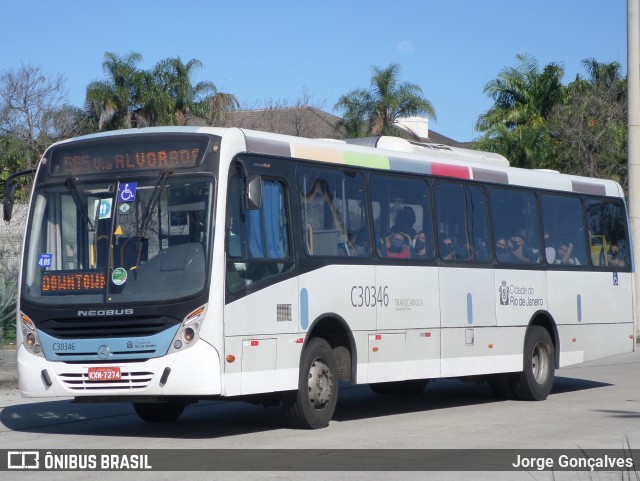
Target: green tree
(113,100)
(164,95)
(375,111)
(517,123)
(590,126)
(185,100)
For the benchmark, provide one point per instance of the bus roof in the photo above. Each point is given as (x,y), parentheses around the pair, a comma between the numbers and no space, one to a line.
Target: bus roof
(399,155)
(395,154)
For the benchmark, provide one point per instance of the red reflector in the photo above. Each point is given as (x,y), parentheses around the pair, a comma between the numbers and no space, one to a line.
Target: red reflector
(378,337)
(255,343)
(300,340)
(427,334)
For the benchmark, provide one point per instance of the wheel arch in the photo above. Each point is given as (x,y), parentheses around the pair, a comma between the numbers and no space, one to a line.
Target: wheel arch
(334,329)
(546,320)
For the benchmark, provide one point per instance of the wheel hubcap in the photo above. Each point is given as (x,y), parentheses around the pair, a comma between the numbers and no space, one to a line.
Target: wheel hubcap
(540,363)
(320,383)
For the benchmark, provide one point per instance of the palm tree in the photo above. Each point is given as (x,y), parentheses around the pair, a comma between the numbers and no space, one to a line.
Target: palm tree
(524,98)
(174,99)
(113,99)
(376,110)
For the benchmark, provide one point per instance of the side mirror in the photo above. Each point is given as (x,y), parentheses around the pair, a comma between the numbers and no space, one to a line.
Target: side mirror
(253,192)
(9,196)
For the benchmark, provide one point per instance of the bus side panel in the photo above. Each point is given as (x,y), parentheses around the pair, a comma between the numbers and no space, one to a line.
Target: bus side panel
(584,342)
(584,306)
(483,350)
(467,297)
(406,344)
(519,295)
(262,331)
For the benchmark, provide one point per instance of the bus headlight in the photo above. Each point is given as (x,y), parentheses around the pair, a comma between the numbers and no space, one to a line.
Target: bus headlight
(189,330)
(30,335)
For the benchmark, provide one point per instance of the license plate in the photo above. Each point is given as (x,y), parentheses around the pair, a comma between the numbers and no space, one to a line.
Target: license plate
(104,374)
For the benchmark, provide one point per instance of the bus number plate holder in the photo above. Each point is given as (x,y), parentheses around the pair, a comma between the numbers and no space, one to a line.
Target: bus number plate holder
(104,374)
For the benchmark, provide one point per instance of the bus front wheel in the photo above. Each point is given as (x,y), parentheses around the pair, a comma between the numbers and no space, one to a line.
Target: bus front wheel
(313,404)
(535,381)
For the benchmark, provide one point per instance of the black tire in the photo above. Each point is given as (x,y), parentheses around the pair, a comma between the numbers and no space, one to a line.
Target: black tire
(411,387)
(313,404)
(535,381)
(160,412)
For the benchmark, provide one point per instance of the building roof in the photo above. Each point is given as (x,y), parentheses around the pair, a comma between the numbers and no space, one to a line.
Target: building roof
(305,121)
(298,121)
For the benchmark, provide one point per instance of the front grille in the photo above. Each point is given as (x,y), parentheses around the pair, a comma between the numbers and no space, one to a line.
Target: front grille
(102,327)
(129,380)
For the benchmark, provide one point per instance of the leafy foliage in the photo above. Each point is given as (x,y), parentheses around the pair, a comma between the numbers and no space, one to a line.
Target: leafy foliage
(374,111)
(517,123)
(537,122)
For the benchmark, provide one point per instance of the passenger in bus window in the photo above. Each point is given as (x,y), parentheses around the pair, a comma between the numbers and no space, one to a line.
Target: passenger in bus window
(399,246)
(502,250)
(549,249)
(357,244)
(481,250)
(565,255)
(519,251)
(420,245)
(448,249)
(404,222)
(614,256)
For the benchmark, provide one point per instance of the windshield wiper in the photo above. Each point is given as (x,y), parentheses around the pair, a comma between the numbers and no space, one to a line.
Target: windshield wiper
(70,182)
(153,201)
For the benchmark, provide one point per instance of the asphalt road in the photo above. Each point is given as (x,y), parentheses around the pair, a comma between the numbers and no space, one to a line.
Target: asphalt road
(592,406)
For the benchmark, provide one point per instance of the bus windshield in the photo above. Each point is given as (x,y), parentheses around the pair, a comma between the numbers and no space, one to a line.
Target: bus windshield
(133,240)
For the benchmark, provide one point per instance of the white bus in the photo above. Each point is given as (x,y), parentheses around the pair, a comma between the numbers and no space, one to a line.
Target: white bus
(163,266)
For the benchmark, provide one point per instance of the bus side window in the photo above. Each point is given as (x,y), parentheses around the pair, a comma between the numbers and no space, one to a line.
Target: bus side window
(463,222)
(515,219)
(257,240)
(402,217)
(334,215)
(608,240)
(562,222)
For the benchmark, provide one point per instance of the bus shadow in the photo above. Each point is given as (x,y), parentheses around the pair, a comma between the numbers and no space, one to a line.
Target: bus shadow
(219,419)
(439,394)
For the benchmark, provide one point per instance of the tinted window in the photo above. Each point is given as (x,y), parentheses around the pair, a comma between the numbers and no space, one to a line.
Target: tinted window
(402,221)
(562,222)
(608,244)
(515,226)
(334,217)
(462,222)
(257,240)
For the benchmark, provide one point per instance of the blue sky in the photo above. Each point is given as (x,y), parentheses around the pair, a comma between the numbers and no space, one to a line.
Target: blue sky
(283,50)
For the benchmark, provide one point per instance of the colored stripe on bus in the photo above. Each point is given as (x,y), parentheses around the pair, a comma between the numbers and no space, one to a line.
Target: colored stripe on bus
(588,188)
(268,146)
(372,161)
(486,175)
(445,170)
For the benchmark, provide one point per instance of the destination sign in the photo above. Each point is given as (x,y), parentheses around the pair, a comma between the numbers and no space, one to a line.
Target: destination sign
(73,282)
(127,155)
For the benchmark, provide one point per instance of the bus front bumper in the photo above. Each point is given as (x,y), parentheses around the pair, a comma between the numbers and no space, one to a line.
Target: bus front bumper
(196,371)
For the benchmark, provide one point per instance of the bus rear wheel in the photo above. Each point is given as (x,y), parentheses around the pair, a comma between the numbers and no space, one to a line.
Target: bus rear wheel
(535,381)
(313,404)
(160,412)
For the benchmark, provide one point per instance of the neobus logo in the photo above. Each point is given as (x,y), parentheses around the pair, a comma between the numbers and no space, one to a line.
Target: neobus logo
(106,312)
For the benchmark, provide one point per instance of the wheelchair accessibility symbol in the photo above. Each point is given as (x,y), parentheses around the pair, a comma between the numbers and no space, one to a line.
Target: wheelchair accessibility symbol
(127,192)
